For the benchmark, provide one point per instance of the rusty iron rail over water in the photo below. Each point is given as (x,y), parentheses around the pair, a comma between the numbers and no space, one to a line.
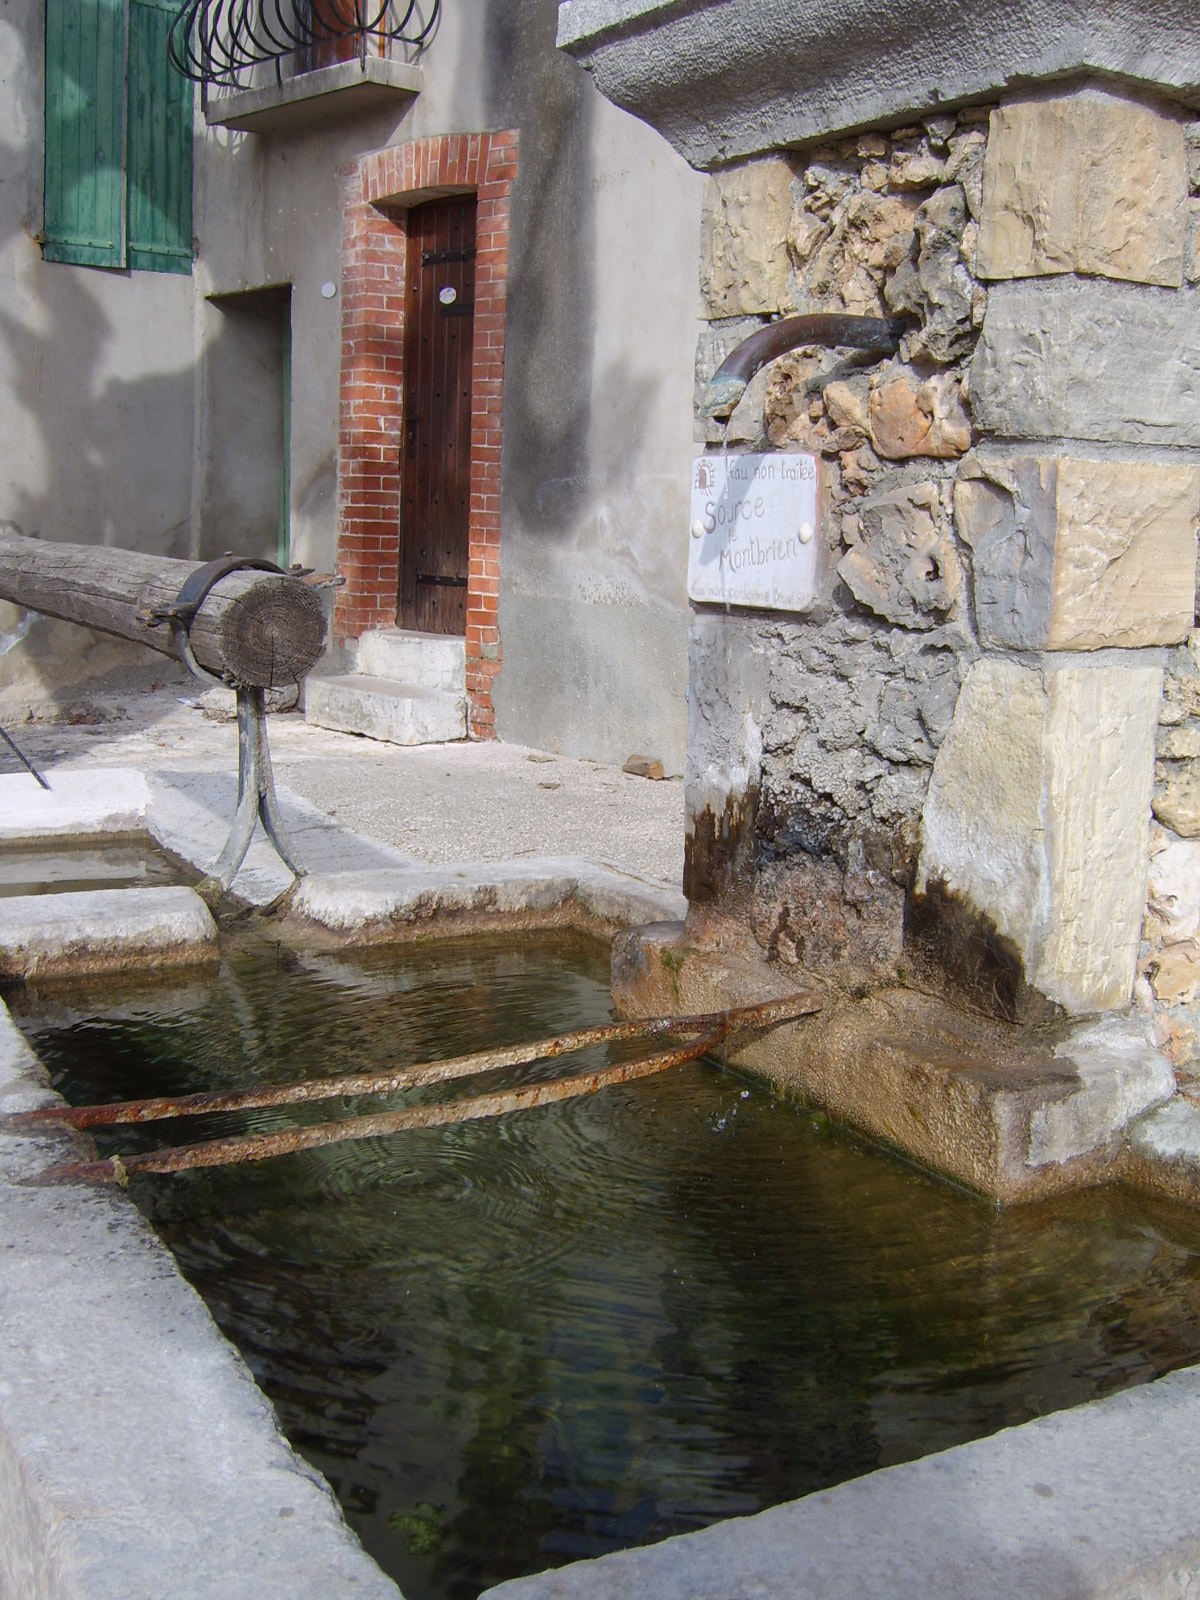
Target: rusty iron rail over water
(259,1146)
(706,1030)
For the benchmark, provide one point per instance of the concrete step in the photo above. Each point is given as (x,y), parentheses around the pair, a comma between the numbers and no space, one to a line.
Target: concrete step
(382,708)
(425,660)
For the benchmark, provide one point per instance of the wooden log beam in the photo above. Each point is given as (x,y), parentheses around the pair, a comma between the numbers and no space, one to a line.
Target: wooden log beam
(257,630)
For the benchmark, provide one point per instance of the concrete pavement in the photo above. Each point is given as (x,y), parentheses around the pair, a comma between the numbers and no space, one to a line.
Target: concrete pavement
(435,804)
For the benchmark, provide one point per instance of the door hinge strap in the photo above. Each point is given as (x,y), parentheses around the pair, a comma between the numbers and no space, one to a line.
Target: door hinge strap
(432,258)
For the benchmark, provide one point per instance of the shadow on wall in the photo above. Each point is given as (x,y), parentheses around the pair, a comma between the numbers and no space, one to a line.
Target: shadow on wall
(242,502)
(551,302)
(99,360)
(117,450)
(98,381)
(115,469)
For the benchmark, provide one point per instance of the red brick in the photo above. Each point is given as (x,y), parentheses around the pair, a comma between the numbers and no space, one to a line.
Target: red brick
(372,370)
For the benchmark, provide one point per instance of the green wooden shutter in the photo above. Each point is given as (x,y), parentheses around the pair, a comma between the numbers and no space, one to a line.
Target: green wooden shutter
(85,121)
(158,145)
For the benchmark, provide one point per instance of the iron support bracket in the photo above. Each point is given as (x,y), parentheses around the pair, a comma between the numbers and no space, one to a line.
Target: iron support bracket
(256,800)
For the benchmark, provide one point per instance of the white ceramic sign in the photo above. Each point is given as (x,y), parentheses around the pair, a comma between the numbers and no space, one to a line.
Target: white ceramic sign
(754,525)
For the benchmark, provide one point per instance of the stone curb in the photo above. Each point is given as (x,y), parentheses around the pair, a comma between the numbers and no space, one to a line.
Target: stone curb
(1100,1501)
(542,890)
(136,1451)
(97,930)
(98,801)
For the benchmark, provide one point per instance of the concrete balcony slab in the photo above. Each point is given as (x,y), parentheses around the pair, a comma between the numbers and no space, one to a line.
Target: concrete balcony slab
(348,88)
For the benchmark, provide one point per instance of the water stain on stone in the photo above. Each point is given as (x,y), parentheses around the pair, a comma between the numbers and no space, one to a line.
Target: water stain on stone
(955,947)
(718,855)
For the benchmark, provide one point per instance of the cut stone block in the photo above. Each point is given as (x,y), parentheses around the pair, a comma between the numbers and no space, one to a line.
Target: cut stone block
(425,660)
(1086,182)
(1079,555)
(744,265)
(98,930)
(1121,1076)
(538,891)
(994,1107)
(1081,358)
(1164,1151)
(1037,819)
(382,709)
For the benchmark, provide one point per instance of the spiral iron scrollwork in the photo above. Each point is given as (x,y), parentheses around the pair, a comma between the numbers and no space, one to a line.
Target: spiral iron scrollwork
(214,42)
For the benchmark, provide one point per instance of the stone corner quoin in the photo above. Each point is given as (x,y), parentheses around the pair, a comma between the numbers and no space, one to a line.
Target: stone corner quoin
(1091,183)
(1007,540)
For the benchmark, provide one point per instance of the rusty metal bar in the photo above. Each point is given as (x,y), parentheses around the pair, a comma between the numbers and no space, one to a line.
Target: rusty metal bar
(720,1024)
(262,1146)
(23,758)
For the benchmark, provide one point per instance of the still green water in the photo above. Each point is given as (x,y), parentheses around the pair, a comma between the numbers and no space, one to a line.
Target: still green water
(511,1344)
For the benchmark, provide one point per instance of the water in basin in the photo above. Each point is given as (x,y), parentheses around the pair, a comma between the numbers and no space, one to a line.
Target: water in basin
(515,1343)
(57,866)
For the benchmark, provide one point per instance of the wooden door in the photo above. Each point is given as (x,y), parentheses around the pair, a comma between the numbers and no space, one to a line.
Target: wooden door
(436,467)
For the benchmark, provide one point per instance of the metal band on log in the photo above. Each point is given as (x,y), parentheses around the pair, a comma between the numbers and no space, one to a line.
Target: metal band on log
(257,630)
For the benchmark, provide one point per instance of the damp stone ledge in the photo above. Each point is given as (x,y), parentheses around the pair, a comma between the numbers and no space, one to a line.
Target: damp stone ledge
(137,1456)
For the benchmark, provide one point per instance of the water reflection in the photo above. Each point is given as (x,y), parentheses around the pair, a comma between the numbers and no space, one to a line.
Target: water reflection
(516,1343)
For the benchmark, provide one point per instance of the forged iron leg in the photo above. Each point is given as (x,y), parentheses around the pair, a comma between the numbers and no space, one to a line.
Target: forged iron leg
(256,798)
(268,802)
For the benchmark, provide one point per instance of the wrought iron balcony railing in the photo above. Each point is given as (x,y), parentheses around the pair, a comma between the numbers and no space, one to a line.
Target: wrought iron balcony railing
(218,42)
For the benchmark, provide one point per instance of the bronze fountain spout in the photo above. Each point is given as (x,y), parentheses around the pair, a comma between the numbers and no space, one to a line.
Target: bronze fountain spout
(877,335)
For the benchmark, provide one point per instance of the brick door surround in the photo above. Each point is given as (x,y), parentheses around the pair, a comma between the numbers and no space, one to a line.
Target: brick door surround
(377,190)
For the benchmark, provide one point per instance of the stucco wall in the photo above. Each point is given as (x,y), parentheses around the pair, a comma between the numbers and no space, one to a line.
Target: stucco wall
(95,365)
(97,395)
(116,383)
(602,320)
(601,323)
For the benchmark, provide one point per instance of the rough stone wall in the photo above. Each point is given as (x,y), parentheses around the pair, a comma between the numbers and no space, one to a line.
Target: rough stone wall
(1168,984)
(857,695)
(955,747)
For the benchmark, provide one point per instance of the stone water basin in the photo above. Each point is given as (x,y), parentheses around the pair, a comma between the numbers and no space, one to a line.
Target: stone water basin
(125,862)
(568,1332)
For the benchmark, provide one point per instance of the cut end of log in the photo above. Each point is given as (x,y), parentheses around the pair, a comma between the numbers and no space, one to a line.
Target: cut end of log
(256,629)
(272,634)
